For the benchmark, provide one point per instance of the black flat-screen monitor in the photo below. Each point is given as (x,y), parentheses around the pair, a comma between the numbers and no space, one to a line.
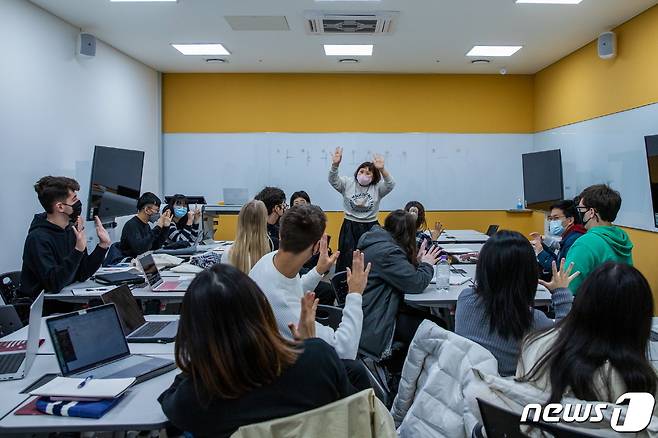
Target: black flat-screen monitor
(542,178)
(116,181)
(652,158)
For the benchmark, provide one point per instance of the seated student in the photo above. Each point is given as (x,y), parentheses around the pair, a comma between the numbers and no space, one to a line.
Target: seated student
(55,252)
(236,367)
(302,235)
(564,223)
(423,233)
(598,207)
(275,201)
(599,351)
(300,198)
(251,241)
(137,237)
(398,267)
(497,312)
(184,226)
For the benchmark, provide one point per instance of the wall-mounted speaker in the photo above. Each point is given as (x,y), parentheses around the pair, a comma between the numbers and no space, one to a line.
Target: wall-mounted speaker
(607,45)
(86,45)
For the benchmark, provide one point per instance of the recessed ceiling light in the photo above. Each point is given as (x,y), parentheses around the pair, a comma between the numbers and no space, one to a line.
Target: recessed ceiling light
(348,61)
(201,49)
(216,60)
(480,61)
(551,2)
(348,49)
(494,50)
(142,1)
(347,1)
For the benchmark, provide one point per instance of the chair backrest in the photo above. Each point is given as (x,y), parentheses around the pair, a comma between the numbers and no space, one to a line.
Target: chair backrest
(329,316)
(501,423)
(10,284)
(9,320)
(492,230)
(339,282)
(113,256)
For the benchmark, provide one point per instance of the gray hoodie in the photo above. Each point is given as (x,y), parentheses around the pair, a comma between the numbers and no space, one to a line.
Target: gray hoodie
(391,276)
(361,204)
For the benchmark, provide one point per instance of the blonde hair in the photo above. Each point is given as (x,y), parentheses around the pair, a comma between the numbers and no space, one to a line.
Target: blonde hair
(251,242)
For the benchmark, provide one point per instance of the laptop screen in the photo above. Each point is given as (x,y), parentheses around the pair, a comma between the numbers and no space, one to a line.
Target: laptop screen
(150,269)
(87,338)
(129,311)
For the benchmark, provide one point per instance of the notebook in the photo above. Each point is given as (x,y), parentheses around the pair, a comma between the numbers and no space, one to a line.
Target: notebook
(67,388)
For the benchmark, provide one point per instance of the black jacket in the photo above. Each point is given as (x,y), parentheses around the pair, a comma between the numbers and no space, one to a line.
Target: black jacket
(391,276)
(317,378)
(138,238)
(50,260)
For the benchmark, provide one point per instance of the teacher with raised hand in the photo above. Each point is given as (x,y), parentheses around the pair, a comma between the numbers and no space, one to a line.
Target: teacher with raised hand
(361,196)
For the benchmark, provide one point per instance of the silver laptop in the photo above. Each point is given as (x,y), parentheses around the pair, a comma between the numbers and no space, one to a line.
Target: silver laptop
(91,343)
(238,196)
(135,327)
(16,365)
(154,279)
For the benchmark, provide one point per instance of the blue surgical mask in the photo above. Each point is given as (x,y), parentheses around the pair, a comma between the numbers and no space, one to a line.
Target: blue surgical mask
(555,228)
(180,211)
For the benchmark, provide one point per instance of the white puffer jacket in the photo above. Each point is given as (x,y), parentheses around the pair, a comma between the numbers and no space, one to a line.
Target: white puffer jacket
(436,374)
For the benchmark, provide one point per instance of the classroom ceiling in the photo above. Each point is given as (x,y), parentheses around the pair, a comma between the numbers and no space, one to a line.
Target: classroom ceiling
(424,32)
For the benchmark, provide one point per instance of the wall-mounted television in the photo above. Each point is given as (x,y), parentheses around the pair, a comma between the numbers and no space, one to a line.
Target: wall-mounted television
(116,182)
(542,179)
(652,158)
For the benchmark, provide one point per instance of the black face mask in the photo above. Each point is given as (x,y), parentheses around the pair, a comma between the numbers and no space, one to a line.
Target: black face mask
(77,210)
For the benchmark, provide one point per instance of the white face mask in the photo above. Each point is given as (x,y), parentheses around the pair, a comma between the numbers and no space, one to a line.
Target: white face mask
(364,180)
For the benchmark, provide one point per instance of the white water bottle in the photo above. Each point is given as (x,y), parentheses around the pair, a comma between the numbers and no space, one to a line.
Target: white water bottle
(443,273)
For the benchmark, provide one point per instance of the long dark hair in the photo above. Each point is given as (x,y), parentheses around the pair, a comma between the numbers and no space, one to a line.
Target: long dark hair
(610,321)
(376,174)
(506,280)
(402,226)
(181,199)
(421,222)
(228,340)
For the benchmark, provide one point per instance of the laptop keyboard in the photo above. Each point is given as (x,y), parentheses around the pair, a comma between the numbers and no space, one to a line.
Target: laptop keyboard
(10,363)
(149,329)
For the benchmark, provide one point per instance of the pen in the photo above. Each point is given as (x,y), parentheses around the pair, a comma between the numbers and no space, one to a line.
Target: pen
(84,382)
(93,289)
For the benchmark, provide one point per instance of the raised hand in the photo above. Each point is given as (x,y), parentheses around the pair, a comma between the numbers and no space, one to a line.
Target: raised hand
(437,230)
(104,240)
(326,261)
(337,156)
(431,256)
(190,217)
(80,236)
(378,161)
(165,219)
(357,277)
(306,327)
(562,278)
(421,251)
(197,215)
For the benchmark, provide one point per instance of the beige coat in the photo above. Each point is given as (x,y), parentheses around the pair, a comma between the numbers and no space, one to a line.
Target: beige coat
(360,415)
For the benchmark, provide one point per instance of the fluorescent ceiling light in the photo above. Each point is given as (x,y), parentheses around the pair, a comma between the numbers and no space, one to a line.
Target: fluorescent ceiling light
(201,49)
(347,1)
(348,49)
(142,1)
(494,50)
(551,2)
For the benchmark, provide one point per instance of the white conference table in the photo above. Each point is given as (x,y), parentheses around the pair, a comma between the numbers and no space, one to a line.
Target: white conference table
(434,298)
(139,409)
(135,347)
(462,236)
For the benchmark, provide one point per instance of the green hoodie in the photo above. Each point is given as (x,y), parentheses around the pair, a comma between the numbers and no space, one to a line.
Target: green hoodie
(597,246)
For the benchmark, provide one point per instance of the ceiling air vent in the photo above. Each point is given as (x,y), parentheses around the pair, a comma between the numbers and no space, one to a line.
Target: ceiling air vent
(370,23)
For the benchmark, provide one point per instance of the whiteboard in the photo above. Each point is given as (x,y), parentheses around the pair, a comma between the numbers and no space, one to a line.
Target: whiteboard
(443,171)
(609,150)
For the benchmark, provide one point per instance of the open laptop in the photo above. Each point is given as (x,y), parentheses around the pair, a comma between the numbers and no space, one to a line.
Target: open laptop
(91,343)
(154,279)
(16,365)
(135,327)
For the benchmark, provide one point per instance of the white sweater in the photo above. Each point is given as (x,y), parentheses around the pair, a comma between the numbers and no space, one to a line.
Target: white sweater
(284,295)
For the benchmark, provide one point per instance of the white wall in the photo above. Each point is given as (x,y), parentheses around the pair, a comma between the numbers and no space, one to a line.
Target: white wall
(55,107)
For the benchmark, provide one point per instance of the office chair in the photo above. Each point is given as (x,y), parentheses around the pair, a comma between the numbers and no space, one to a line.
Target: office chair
(492,230)
(339,282)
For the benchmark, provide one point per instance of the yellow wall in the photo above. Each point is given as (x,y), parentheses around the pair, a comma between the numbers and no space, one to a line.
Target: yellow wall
(582,86)
(473,220)
(347,103)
